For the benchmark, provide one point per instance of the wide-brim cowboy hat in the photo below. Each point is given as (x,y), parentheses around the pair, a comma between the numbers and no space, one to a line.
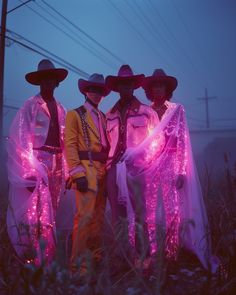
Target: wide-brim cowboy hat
(46,69)
(125,73)
(95,80)
(160,76)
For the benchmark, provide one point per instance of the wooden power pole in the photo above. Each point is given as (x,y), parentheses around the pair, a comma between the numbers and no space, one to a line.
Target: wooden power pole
(2,58)
(206,98)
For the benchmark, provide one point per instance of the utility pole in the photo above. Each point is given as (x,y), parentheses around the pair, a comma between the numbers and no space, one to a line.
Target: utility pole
(3,173)
(2,57)
(3,178)
(206,98)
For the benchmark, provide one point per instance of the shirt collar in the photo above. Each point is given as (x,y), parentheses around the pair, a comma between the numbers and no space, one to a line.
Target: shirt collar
(90,107)
(41,100)
(134,104)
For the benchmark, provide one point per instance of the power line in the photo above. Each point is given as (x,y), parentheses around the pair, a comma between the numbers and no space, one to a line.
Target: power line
(151,28)
(85,34)
(76,69)
(87,45)
(224,119)
(56,59)
(188,31)
(71,37)
(141,36)
(182,49)
(9,11)
(10,107)
(146,23)
(195,119)
(193,40)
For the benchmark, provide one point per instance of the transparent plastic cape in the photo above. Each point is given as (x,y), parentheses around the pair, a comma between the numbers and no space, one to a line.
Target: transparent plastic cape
(151,170)
(30,218)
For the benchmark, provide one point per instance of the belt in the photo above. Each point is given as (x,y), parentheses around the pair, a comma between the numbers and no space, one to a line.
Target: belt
(96,156)
(49,149)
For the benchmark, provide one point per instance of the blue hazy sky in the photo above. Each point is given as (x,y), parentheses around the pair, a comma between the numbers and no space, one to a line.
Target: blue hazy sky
(193,40)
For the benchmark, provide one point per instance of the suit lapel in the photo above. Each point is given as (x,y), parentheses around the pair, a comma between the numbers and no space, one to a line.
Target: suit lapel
(89,120)
(43,104)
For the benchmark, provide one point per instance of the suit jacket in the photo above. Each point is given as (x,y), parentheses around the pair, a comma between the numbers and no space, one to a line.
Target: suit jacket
(75,142)
(35,115)
(139,120)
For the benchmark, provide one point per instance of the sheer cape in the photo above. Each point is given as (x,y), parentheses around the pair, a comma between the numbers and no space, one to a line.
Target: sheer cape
(151,171)
(30,218)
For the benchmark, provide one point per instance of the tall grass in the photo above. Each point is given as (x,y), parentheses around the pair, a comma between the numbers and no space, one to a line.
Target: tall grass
(182,276)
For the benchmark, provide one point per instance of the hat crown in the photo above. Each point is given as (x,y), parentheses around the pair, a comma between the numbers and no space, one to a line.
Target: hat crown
(159,73)
(96,78)
(45,64)
(125,71)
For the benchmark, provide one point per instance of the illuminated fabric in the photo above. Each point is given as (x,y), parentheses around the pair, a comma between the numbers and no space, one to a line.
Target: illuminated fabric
(152,169)
(31,216)
(130,131)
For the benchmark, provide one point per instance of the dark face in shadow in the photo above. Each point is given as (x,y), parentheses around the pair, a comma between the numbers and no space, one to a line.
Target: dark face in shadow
(48,85)
(157,93)
(95,94)
(126,89)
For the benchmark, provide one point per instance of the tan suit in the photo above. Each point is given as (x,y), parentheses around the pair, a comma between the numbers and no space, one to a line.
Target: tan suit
(91,204)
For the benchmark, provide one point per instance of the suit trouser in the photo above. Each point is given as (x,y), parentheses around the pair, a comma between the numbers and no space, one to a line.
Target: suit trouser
(88,222)
(119,212)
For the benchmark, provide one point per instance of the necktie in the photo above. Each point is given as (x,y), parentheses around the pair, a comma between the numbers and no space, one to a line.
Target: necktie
(101,128)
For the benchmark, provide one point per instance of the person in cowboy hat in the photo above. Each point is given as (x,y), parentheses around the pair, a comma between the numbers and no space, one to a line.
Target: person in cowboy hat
(35,166)
(178,203)
(86,153)
(128,124)
(159,90)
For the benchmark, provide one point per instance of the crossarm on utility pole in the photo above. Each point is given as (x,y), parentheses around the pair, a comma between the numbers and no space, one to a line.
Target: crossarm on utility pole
(206,99)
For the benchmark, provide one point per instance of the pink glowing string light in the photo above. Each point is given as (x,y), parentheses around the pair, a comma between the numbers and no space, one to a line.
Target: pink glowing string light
(156,165)
(31,215)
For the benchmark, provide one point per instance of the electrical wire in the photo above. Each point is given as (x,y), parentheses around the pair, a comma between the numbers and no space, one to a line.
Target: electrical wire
(53,57)
(104,60)
(86,34)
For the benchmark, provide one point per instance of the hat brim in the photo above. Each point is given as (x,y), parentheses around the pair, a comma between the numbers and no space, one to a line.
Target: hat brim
(113,81)
(170,81)
(84,86)
(36,78)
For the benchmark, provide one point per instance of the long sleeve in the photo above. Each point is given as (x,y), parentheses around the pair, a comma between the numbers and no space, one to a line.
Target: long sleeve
(154,120)
(22,164)
(20,144)
(181,143)
(72,133)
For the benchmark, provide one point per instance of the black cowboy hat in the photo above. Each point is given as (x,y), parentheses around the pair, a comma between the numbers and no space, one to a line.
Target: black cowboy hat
(96,80)
(160,76)
(125,73)
(46,69)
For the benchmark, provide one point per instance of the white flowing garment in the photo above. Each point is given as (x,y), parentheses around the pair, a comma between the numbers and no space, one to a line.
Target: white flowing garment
(31,217)
(155,165)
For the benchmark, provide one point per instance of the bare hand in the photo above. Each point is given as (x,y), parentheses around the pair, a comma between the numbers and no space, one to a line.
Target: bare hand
(81,184)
